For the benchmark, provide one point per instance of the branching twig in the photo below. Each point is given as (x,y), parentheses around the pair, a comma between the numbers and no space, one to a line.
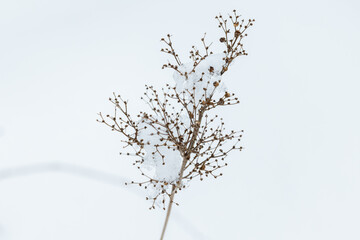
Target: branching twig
(178,118)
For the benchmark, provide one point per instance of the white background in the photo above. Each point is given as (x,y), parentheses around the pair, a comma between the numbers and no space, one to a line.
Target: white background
(297,178)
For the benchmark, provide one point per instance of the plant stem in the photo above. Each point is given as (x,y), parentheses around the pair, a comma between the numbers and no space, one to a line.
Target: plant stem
(181,174)
(168,211)
(173,191)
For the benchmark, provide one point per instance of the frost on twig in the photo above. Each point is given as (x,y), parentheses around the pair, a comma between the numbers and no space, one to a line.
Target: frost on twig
(178,139)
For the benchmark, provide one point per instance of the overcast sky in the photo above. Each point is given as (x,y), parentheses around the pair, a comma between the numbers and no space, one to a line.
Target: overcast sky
(297,178)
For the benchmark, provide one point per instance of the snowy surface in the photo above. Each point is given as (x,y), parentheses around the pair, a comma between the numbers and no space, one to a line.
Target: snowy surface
(297,178)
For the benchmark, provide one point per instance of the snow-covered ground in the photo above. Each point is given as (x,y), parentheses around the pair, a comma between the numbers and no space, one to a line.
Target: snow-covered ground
(61,176)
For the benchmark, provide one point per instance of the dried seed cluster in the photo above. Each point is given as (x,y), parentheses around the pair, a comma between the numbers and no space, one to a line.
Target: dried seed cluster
(178,120)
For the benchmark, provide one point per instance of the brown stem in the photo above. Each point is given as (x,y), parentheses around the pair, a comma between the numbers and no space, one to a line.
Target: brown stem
(168,212)
(183,166)
(173,191)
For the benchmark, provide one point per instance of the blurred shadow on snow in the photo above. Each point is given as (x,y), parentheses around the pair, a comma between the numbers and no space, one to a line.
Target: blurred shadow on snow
(76,170)
(2,232)
(92,174)
(2,133)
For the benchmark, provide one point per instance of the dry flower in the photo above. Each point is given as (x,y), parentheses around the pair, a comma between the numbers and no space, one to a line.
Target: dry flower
(177,140)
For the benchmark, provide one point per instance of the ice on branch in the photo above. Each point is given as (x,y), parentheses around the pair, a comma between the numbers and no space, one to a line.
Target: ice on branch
(178,139)
(204,75)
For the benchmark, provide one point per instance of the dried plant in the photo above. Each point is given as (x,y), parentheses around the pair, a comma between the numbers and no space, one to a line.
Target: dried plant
(177,140)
